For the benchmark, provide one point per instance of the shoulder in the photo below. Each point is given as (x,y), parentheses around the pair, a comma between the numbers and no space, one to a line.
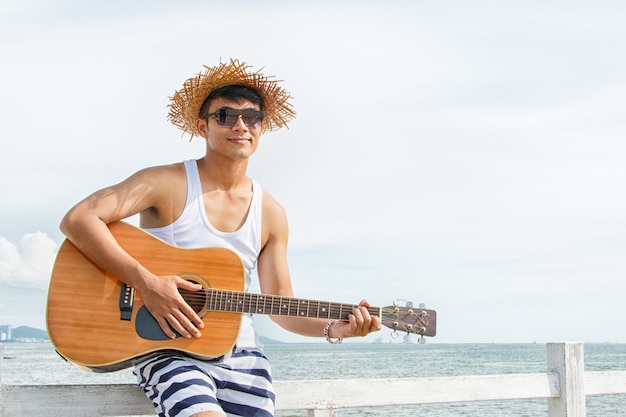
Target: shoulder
(274,227)
(163,192)
(160,171)
(272,208)
(155,177)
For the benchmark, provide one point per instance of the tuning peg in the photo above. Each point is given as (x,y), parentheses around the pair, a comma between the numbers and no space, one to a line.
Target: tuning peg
(421,340)
(422,305)
(397,302)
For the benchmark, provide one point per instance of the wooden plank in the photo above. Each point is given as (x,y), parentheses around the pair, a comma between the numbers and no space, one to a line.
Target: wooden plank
(319,395)
(322,398)
(607,382)
(73,400)
(379,392)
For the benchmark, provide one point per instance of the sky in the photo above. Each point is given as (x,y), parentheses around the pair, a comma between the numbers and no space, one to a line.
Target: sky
(466,155)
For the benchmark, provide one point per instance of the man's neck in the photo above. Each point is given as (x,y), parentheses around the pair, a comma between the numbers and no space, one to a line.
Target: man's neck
(223,174)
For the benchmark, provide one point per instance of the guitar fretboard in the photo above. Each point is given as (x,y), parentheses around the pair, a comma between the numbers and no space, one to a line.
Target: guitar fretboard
(249,303)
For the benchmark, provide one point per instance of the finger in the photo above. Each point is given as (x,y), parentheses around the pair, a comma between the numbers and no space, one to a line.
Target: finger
(165,327)
(367,321)
(188,285)
(365,313)
(192,316)
(359,321)
(186,308)
(182,325)
(375,324)
(189,329)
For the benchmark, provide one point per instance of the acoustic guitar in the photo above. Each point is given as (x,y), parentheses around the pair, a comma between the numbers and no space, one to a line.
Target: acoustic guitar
(99,324)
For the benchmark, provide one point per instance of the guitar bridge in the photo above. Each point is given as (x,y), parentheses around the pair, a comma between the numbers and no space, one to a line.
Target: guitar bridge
(127,299)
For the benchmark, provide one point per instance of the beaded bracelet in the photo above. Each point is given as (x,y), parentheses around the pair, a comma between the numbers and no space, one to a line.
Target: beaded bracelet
(328,338)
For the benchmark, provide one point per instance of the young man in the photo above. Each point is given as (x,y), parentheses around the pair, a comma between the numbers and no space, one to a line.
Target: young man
(206,203)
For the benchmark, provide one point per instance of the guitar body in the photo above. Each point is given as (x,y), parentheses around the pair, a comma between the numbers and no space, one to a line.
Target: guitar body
(83,312)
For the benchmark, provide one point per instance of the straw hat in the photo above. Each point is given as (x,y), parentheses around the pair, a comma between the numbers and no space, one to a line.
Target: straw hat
(184,108)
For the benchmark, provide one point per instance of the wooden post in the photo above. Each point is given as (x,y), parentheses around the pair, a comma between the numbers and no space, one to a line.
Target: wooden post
(567,360)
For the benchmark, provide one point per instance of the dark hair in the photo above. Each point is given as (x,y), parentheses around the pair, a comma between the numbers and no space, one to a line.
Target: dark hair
(232,92)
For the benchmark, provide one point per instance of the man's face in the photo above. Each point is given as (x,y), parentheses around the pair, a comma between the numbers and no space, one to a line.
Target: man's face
(238,140)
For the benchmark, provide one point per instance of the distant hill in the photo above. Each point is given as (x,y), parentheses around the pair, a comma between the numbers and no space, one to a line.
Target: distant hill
(268,341)
(26,332)
(32,333)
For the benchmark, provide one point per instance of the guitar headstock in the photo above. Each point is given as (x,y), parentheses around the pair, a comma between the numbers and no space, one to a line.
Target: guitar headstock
(409,319)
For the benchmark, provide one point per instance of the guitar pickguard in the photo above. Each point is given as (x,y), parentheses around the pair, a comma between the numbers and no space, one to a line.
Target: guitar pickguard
(148,328)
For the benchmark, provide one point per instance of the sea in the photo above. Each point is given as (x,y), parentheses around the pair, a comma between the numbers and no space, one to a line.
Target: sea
(38,363)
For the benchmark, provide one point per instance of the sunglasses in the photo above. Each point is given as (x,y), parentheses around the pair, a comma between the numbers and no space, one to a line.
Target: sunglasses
(227,117)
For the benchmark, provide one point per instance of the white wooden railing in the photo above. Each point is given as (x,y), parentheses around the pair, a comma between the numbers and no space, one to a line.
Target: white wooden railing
(565,385)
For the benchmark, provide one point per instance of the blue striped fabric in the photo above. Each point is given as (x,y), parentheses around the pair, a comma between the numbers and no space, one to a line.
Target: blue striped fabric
(236,385)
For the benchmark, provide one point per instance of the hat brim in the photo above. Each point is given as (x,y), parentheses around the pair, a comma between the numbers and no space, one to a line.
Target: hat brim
(185,104)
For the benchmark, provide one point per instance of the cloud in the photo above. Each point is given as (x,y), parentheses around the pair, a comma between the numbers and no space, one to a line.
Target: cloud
(29,263)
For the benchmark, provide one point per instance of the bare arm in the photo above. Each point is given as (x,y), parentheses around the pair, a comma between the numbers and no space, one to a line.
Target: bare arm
(85,225)
(275,279)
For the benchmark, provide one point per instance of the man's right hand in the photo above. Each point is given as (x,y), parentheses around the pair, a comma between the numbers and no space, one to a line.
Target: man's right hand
(161,297)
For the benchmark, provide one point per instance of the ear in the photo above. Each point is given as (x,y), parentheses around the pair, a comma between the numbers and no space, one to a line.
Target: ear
(203,127)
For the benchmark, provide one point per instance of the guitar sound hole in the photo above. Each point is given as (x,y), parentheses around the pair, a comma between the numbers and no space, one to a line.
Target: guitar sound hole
(195,299)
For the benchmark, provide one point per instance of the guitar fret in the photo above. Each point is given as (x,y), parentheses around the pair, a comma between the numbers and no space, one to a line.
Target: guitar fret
(285,306)
(291,309)
(230,304)
(224,303)
(256,304)
(220,300)
(249,303)
(250,306)
(243,303)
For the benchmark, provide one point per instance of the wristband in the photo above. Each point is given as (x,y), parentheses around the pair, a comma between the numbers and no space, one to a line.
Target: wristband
(328,338)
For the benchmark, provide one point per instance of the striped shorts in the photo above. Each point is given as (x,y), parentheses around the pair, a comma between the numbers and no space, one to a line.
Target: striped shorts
(239,384)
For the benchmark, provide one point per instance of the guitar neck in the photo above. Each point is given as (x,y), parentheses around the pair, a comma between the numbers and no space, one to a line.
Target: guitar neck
(275,305)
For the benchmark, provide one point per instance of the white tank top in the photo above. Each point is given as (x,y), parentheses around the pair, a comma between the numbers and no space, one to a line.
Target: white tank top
(194,230)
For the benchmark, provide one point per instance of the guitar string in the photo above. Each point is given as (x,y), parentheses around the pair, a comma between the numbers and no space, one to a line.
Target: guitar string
(237,301)
(240,302)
